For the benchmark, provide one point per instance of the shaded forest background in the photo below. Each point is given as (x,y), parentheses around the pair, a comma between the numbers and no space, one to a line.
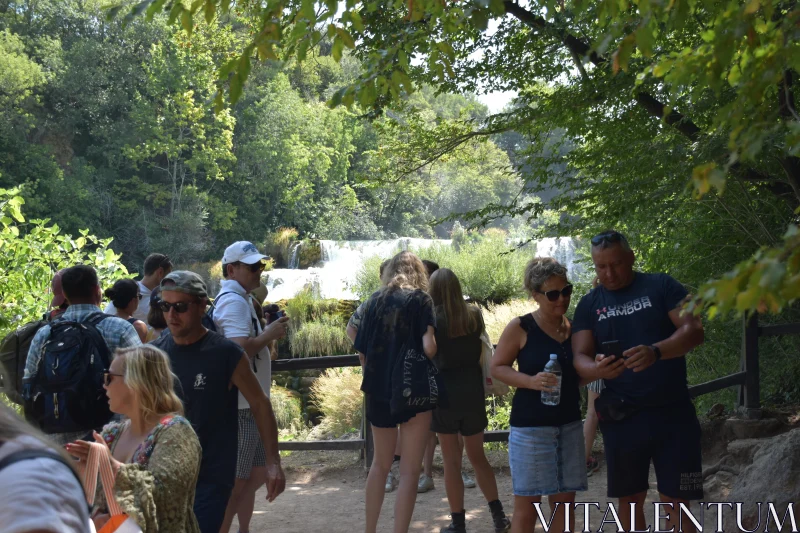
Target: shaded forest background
(112,129)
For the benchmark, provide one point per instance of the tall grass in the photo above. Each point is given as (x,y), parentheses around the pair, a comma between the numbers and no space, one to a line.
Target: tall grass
(286,407)
(337,394)
(325,336)
(497,316)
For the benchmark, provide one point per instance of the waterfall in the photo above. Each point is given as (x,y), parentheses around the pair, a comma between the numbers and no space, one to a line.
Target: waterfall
(342,260)
(294,255)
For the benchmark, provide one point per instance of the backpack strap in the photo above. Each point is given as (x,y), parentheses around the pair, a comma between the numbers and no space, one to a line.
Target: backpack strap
(253,321)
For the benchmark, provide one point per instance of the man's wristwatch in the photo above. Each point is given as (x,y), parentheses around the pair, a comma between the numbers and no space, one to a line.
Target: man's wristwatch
(656,351)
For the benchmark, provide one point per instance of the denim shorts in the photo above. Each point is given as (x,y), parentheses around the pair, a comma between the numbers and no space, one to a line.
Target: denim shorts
(547,460)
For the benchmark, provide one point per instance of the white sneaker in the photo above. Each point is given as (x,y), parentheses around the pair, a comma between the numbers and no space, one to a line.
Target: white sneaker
(425,483)
(469,483)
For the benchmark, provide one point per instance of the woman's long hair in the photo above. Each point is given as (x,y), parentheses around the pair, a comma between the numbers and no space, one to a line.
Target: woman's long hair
(445,290)
(148,373)
(405,271)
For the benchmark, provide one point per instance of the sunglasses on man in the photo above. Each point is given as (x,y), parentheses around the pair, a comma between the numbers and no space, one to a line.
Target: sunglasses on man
(610,237)
(255,267)
(180,307)
(553,295)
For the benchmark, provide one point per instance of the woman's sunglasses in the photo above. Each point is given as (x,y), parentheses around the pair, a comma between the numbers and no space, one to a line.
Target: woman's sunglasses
(180,307)
(553,295)
(139,296)
(108,377)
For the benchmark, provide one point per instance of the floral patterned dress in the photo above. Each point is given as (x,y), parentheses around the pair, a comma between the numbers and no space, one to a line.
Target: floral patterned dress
(156,488)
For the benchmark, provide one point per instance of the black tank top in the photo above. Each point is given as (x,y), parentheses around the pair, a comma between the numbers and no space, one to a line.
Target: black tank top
(527,409)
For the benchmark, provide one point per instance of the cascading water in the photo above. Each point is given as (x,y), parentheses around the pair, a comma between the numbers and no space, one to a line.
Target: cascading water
(342,260)
(294,255)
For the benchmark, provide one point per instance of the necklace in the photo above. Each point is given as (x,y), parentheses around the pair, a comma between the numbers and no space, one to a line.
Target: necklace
(560,329)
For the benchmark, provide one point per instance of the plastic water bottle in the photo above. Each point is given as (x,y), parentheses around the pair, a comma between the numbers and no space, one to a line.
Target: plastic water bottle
(553,398)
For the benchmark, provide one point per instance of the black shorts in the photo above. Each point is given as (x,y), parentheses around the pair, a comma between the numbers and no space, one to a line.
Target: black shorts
(448,421)
(380,415)
(669,437)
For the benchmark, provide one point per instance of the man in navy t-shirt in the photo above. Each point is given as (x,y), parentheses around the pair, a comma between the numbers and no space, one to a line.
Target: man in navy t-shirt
(211,371)
(645,411)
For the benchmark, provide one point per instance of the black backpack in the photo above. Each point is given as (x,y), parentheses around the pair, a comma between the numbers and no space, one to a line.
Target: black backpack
(66,393)
(13,355)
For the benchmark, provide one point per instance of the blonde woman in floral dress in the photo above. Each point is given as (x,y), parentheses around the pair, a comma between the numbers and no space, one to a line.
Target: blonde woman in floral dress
(154,452)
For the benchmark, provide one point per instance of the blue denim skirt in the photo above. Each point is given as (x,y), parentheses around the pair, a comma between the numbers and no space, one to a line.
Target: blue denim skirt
(547,460)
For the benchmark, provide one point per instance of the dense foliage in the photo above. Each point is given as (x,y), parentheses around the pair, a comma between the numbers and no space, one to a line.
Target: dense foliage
(111,127)
(31,252)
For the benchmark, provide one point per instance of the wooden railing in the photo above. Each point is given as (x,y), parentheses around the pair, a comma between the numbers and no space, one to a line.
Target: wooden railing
(747,379)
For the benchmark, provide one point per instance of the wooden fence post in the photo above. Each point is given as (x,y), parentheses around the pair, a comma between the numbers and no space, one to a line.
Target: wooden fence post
(750,392)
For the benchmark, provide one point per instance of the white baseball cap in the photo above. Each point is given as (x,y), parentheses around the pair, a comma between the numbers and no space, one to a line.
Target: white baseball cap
(242,252)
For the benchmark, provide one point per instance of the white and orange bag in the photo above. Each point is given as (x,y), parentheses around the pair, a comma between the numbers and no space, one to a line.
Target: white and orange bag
(99,461)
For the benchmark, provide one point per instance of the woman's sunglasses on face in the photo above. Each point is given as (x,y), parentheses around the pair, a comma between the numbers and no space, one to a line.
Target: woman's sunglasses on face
(109,376)
(553,295)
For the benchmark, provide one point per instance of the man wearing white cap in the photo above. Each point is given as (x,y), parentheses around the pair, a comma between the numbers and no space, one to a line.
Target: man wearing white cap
(236,319)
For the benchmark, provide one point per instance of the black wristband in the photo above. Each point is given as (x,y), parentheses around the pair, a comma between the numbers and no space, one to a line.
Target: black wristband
(656,351)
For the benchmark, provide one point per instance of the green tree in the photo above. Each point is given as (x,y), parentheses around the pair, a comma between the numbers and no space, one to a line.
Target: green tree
(32,252)
(712,83)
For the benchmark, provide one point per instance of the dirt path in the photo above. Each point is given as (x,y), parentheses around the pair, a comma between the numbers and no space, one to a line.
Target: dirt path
(325,497)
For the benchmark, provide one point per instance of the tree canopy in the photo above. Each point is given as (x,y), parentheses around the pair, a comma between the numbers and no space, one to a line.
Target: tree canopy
(622,105)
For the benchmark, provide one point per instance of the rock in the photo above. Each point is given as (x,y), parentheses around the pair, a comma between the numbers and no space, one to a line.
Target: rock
(306,382)
(751,429)
(743,451)
(773,476)
(716,410)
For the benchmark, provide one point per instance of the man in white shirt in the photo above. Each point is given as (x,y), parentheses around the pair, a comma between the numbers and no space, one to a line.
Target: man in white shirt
(156,267)
(236,319)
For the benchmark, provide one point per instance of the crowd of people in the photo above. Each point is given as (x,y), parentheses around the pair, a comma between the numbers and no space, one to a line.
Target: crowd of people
(175,391)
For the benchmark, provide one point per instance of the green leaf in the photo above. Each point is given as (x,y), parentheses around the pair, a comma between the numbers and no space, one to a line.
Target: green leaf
(356,20)
(336,49)
(186,21)
(235,88)
(347,39)
(210,10)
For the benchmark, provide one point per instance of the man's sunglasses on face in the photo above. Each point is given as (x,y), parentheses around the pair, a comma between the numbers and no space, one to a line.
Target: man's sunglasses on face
(180,307)
(555,293)
(609,236)
(255,267)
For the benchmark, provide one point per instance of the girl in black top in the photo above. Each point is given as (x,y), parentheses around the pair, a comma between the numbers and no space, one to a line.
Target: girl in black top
(458,341)
(125,296)
(401,308)
(546,447)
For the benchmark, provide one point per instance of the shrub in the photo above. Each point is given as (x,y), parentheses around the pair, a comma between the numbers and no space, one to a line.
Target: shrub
(337,394)
(323,336)
(277,245)
(287,408)
(368,279)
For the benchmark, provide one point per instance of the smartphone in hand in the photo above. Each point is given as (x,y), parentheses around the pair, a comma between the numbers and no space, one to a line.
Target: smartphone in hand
(612,348)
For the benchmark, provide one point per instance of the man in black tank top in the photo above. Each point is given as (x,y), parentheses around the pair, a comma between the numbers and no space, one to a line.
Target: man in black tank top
(645,411)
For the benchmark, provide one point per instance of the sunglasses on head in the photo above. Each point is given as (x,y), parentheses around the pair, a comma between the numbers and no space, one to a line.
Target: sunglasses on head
(108,377)
(554,294)
(608,236)
(180,307)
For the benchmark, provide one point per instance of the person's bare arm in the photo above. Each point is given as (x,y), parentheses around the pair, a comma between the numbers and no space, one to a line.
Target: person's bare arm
(260,406)
(275,331)
(511,342)
(588,367)
(141,329)
(429,342)
(351,333)
(689,333)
